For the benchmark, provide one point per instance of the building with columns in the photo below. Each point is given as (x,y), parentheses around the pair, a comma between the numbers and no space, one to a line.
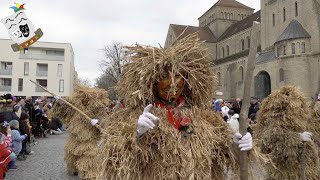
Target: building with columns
(288,50)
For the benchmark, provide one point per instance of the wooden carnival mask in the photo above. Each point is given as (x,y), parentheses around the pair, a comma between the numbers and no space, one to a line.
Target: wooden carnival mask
(170,85)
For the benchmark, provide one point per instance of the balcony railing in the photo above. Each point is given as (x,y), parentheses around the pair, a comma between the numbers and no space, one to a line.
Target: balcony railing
(5,71)
(42,73)
(39,89)
(41,57)
(5,88)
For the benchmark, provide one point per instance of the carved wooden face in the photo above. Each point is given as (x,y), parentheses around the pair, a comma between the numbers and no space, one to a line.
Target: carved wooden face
(170,86)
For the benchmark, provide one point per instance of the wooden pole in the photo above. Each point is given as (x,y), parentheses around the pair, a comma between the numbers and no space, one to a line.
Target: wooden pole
(246,97)
(69,104)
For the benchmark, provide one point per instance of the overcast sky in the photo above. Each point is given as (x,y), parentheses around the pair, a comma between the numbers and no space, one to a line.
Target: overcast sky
(90,24)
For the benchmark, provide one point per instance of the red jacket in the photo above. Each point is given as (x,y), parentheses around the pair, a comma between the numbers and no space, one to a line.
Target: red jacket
(4,159)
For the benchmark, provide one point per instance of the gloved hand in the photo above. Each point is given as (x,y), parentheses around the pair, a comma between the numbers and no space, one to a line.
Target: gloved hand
(94,122)
(305,136)
(146,121)
(57,97)
(245,142)
(25,135)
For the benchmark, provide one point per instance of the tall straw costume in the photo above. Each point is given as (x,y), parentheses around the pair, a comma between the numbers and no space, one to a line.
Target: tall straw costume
(197,148)
(315,123)
(283,115)
(81,146)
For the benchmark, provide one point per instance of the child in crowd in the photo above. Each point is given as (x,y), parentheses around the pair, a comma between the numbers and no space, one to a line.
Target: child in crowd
(5,151)
(17,138)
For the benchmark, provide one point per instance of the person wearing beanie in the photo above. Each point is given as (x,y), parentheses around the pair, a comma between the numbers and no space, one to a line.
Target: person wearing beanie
(17,138)
(6,112)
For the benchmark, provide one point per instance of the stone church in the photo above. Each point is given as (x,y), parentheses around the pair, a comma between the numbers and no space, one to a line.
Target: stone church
(288,50)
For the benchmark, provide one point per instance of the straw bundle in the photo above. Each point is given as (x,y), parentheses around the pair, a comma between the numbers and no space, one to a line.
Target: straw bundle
(81,146)
(315,124)
(162,153)
(283,115)
(186,57)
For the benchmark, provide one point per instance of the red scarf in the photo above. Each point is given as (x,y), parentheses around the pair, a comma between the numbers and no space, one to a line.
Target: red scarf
(170,112)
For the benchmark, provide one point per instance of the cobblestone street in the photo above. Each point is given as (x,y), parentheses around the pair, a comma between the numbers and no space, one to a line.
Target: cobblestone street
(45,164)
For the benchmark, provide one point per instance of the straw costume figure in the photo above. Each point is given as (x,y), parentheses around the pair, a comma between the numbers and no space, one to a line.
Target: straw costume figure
(315,123)
(282,132)
(165,131)
(81,146)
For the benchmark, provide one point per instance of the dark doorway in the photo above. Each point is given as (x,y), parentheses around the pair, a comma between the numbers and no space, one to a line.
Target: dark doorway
(262,85)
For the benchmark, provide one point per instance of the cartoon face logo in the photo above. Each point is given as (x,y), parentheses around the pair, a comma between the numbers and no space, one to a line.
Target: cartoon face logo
(20,28)
(25,30)
(17,34)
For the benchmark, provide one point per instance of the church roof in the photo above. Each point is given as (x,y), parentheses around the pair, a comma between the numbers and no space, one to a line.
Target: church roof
(266,56)
(181,31)
(293,31)
(229,3)
(240,25)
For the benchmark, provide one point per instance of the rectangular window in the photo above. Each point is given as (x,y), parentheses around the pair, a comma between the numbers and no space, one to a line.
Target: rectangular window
(293,47)
(303,47)
(26,68)
(278,51)
(284,50)
(43,83)
(6,82)
(20,84)
(273,19)
(284,14)
(25,51)
(61,86)
(296,8)
(59,70)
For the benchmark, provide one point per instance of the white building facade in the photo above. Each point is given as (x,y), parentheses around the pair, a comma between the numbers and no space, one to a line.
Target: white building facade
(49,64)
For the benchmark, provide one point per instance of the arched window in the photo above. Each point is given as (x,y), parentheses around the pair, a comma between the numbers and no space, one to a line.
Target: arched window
(273,19)
(242,44)
(219,78)
(239,17)
(232,16)
(222,51)
(296,8)
(227,50)
(303,47)
(293,48)
(222,16)
(281,75)
(248,42)
(225,15)
(284,14)
(241,73)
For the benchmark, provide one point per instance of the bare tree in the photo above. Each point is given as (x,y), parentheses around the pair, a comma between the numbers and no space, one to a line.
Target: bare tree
(84,82)
(114,59)
(111,65)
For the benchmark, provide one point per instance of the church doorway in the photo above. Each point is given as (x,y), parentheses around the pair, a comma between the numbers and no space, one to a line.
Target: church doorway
(262,85)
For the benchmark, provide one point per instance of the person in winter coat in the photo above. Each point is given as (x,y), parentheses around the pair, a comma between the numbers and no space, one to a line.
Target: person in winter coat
(4,160)
(6,141)
(24,129)
(5,148)
(6,110)
(17,138)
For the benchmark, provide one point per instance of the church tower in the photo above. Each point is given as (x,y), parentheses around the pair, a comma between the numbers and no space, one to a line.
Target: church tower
(223,14)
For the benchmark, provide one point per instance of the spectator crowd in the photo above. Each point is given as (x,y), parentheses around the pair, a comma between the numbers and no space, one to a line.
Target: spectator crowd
(22,120)
(230,111)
